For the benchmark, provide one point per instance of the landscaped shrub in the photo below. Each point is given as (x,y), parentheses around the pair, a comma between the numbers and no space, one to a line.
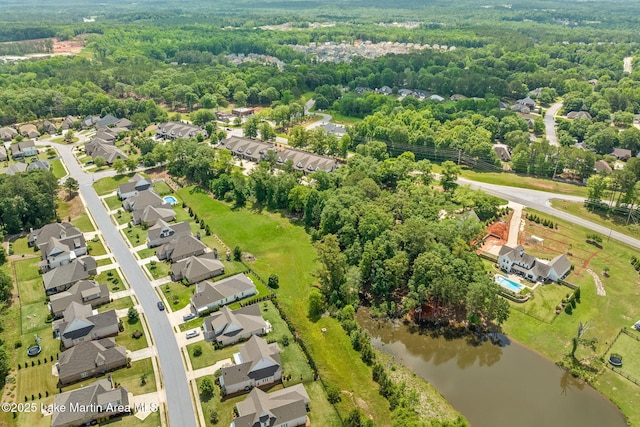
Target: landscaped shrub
(568,309)
(136,334)
(197,351)
(18,344)
(333,394)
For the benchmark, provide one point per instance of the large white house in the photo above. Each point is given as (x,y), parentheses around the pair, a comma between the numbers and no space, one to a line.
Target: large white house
(516,260)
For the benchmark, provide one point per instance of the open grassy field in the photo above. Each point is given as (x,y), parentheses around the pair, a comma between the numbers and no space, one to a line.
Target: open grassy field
(285,249)
(614,222)
(606,314)
(29,281)
(628,346)
(522,181)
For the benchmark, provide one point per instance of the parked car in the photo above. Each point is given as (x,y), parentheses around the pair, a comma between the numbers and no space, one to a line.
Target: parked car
(193,334)
(160,306)
(188,316)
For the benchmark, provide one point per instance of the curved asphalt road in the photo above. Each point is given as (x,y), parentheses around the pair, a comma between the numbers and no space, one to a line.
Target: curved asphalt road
(550,123)
(541,200)
(179,404)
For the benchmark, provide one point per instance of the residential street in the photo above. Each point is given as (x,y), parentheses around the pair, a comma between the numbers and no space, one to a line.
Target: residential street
(550,123)
(178,399)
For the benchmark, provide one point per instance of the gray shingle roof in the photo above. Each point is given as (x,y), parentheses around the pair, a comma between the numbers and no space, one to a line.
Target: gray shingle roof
(60,230)
(83,289)
(162,230)
(78,321)
(142,200)
(70,273)
(181,247)
(229,323)
(194,267)
(258,360)
(209,292)
(89,397)
(151,214)
(89,355)
(275,408)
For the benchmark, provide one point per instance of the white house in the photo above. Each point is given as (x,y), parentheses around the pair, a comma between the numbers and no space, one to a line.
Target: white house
(516,260)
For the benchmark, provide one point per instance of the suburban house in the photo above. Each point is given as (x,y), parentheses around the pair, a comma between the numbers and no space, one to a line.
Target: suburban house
(68,122)
(79,324)
(59,230)
(227,327)
(436,98)
(49,127)
(334,129)
(243,111)
(89,359)
(180,248)
(286,407)
(163,232)
(502,152)
(29,131)
(99,400)
(23,149)
(135,185)
(3,153)
(579,115)
(62,278)
(107,151)
(210,295)
(527,102)
(257,364)
(7,133)
(142,200)
(106,121)
(385,90)
(602,166)
(173,130)
(39,164)
(86,292)
(89,121)
(16,168)
(91,145)
(621,153)
(152,214)
(61,251)
(516,260)
(520,108)
(106,135)
(197,268)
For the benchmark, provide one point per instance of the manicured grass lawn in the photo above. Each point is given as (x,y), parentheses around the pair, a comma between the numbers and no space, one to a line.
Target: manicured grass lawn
(20,247)
(285,249)
(110,184)
(97,248)
(34,317)
(113,202)
(125,338)
(162,188)
(209,354)
(544,302)
(321,412)
(136,235)
(191,324)
(177,294)
(114,280)
(146,253)
(607,314)
(29,281)
(159,269)
(131,377)
(57,169)
(104,261)
(123,217)
(615,222)
(83,223)
(629,348)
(213,403)
(342,119)
(262,290)
(522,181)
(116,304)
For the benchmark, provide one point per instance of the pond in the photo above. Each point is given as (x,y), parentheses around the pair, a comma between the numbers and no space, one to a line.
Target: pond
(492,385)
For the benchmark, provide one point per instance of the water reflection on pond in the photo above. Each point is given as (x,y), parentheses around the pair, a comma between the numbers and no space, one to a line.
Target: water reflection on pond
(493,385)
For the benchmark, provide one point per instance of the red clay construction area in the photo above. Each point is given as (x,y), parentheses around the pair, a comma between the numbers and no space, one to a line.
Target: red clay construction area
(497,235)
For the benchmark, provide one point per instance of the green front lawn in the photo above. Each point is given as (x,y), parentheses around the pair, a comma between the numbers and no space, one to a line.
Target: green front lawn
(209,354)
(125,338)
(131,378)
(162,188)
(104,261)
(614,222)
(136,235)
(191,324)
(110,184)
(177,294)
(123,217)
(96,248)
(159,269)
(146,253)
(544,302)
(116,304)
(57,169)
(83,223)
(112,279)
(113,202)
